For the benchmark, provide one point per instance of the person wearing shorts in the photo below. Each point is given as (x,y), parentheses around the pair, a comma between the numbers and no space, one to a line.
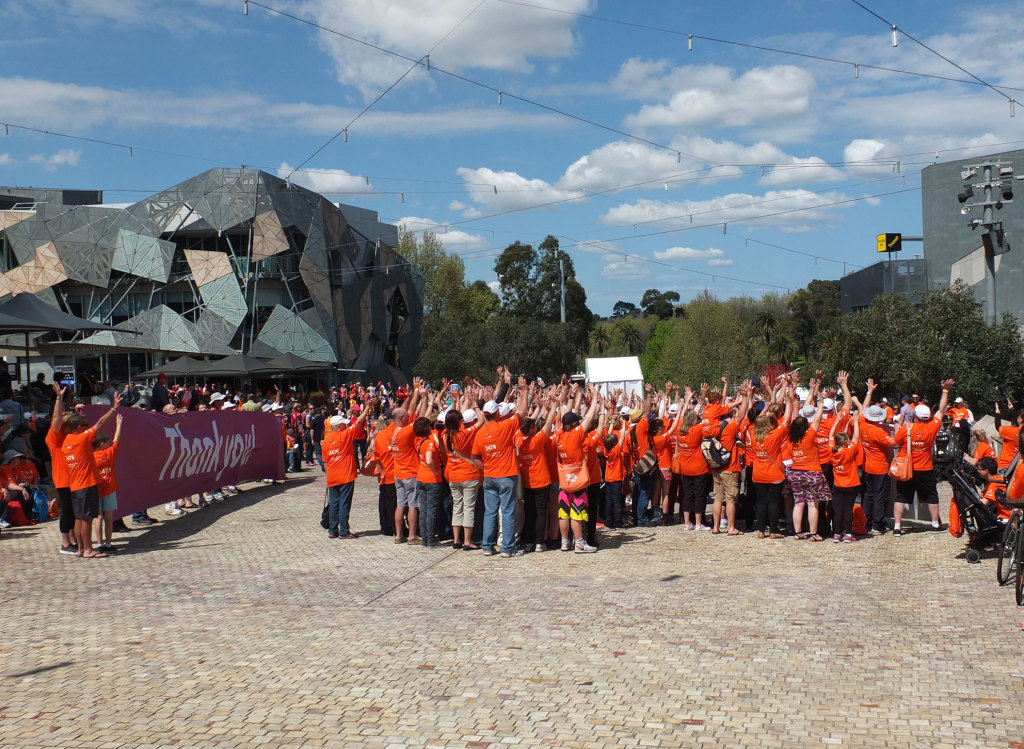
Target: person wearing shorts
(726,481)
(402,446)
(923,482)
(573,507)
(80,460)
(105,453)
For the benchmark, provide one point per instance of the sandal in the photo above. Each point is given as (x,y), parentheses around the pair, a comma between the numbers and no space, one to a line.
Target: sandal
(470,547)
(716,532)
(816,537)
(735,532)
(802,536)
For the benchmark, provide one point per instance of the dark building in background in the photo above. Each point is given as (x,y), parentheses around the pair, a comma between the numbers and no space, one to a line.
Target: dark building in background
(230,260)
(904,277)
(955,251)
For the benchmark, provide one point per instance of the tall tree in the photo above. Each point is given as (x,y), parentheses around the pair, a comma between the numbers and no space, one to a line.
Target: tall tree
(623,309)
(659,303)
(629,335)
(765,324)
(814,309)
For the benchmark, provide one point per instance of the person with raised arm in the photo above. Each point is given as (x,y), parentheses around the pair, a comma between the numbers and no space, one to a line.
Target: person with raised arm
(340,459)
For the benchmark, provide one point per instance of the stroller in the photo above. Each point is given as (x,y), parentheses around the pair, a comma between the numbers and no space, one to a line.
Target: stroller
(978,520)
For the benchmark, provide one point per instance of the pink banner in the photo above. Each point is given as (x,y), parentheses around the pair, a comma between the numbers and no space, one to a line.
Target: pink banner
(163,457)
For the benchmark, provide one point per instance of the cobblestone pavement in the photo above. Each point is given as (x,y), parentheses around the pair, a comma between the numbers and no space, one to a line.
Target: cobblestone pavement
(242,624)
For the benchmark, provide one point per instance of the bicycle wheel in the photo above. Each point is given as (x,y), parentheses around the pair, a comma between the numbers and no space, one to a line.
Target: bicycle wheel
(1008,550)
(1020,567)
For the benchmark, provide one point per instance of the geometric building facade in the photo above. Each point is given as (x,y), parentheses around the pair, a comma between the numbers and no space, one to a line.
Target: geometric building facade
(230,260)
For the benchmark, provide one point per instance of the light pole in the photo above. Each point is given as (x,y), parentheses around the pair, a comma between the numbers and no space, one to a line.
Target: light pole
(993,238)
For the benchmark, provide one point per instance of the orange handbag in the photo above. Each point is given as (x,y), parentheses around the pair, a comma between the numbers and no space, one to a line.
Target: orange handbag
(902,468)
(573,477)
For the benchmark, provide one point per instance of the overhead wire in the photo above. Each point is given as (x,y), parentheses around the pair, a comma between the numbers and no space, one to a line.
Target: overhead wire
(852,63)
(388,90)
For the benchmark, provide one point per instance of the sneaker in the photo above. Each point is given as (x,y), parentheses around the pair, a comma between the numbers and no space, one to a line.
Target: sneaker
(489,551)
(688,526)
(511,554)
(399,539)
(565,545)
(172,509)
(582,547)
(937,528)
(69,549)
(4,524)
(849,539)
(347,536)
(415,541)
(332,534)
(204,502)
(120,527)
(702,527)
(540,547)
(723,525)
(217,496)
(147,520)
(897,532)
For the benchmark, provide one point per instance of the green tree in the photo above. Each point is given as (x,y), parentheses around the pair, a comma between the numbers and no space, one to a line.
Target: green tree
(600,338)
(783,349)
(629,335)
(623,309)
(813,310)
(657,303)
(765,325)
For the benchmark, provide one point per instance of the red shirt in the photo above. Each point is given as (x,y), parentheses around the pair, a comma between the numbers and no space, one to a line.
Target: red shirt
(339,457)
(79,459)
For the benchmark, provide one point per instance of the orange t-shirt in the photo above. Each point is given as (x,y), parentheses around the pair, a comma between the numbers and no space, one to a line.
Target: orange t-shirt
(614,469)
(663,446)
(711,418)
(403,450)
(79,459)
(424,446)
(805,453)
(984,450)
(1016,488)
(105,467)
(729,442)
(997,482)
(26,473)
(456,469)
(824,444)
(641,429)
(876,444)
(691,459)
(534,462)
(590,445)
(844,465)
(383,455)
(1008,435)
(54,442)
(922,437)
(570,446)
(767,456)
(495,443)
(339,457)
(6,476)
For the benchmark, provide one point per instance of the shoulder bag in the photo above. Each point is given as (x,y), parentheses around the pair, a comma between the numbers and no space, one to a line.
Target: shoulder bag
(902,468)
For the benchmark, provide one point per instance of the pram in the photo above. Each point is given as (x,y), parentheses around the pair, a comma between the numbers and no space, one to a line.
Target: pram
(981,523)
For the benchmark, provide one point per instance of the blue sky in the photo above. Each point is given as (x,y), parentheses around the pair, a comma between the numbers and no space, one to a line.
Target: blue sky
(784,150)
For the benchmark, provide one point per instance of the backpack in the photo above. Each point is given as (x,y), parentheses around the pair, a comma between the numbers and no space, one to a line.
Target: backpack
(711,448)
(41,506)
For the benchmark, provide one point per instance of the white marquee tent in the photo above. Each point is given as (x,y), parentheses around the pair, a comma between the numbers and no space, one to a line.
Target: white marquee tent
(616,372)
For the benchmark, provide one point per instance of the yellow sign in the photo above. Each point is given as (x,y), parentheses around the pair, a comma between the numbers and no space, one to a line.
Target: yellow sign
(890,242)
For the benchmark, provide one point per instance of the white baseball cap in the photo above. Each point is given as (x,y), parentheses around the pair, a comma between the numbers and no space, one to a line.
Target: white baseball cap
(673,409)
(337,421)
(808,411)
(491,407)
(506,408)
(922,411)
(468,416)
(829,405)
(624,411)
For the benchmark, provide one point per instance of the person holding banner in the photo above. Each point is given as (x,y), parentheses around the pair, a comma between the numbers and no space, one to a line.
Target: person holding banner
(77,453)
(340,459)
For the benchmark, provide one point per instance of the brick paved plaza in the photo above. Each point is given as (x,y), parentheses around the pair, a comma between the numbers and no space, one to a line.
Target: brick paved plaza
(242,624)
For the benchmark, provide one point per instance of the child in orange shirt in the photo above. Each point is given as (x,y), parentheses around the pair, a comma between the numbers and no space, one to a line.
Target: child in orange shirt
(614,473)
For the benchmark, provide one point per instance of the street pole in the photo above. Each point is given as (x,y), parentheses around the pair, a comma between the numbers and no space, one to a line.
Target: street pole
(990,256)
(561,282)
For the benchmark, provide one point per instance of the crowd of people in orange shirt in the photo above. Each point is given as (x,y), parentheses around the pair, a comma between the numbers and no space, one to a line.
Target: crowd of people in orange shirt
(546,465)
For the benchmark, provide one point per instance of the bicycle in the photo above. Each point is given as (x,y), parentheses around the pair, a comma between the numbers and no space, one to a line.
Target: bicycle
(1010,550)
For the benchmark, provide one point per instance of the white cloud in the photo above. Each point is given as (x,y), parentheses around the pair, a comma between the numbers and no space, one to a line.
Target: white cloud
(630,268)
(7,160)
(687,253)
(494,36)
(778,93)
(510,191)
(63,157)
(326,181)
(790,210)
(720,261)
(454,240)
(54,105)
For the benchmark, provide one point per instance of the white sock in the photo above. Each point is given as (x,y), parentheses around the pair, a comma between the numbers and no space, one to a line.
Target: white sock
(935,524)
(896,525)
